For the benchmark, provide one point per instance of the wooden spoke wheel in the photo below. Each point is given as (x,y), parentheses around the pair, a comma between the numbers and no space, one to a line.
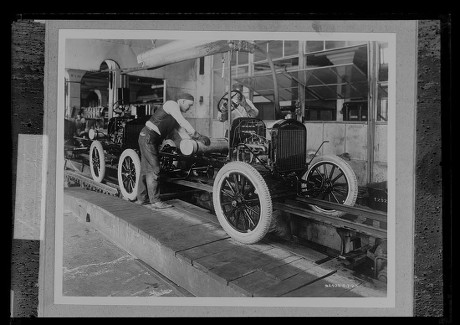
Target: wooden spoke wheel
(97,161)
(330,178)
(242,202)
(129,170)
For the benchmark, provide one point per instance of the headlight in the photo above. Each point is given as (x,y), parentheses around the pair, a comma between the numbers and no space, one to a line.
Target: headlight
(92,134)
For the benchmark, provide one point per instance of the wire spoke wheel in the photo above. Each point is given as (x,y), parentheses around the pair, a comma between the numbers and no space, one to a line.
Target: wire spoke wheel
(97,161)
(128,174)
(242,202)
(330,178)
(129,168)
(236,210)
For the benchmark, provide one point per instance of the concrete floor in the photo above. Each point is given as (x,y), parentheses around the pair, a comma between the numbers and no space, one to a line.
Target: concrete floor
(95,267)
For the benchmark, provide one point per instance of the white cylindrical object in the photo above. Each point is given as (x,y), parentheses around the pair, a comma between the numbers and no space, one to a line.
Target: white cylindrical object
(189,147)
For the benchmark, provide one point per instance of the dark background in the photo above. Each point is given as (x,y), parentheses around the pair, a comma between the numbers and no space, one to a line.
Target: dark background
(432,212)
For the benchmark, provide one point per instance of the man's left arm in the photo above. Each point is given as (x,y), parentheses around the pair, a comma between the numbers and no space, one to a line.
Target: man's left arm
(251,109)
(174,110)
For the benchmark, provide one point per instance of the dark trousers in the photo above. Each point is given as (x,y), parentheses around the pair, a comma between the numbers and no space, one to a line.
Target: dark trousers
(148,189)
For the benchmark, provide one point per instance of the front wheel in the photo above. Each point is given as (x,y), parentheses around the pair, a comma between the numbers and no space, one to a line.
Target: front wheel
(330,178)
(242,202)
(129,171)
(97,161)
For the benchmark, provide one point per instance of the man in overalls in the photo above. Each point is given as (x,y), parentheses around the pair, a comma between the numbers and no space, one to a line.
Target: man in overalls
(157,128)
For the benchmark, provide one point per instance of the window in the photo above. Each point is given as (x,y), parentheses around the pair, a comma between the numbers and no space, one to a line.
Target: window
(317,46)
(336,81)
(284,55)
(314,46)
(240,68)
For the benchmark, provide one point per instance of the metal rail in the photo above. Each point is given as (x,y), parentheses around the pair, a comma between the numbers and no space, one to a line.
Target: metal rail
(333,221)
(361,211)
(286,201)
(87,182)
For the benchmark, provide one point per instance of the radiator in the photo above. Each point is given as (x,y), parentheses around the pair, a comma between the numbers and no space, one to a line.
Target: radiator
(290,147)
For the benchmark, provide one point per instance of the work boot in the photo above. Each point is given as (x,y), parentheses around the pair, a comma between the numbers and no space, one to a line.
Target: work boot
(160,205)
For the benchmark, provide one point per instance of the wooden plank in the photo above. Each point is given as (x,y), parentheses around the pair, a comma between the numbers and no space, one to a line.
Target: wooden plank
(160,225)
(285,286)
(283,271)
(248,263)
(193,209)
(181,214)
(192,236)
(280,262)
(253,282)
(194,253)
(240,254)
(300,250)
(261,277)
(231,264)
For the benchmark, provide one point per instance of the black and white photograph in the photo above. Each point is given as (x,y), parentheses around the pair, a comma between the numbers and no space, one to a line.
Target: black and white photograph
(226,169)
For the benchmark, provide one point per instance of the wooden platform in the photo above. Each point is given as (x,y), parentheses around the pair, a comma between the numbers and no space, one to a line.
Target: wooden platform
(187,245)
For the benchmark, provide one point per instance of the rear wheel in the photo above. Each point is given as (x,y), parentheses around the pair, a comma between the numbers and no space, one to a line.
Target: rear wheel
(242,202)
(129,170)
(97,161)
(330,178)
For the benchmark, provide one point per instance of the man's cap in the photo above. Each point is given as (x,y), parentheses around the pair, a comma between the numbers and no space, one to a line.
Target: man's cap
(185,96)
(237,86)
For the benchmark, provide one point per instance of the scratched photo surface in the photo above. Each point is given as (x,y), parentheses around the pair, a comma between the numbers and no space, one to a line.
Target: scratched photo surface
(286,207)
(113,247)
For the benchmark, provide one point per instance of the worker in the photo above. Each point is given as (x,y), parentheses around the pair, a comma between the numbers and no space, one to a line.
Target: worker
(244,107)
(165,119)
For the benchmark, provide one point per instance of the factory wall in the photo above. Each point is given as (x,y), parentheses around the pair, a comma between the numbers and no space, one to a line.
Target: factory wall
(83,55)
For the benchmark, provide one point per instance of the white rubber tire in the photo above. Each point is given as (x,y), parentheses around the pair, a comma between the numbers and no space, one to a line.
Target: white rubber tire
(347,172)
(129,166)
(97,172)
(261,189)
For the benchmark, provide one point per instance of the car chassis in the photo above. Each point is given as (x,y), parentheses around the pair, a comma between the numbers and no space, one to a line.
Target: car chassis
(247,169)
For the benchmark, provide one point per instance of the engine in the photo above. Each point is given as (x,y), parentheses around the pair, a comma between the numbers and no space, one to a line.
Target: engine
(284,151)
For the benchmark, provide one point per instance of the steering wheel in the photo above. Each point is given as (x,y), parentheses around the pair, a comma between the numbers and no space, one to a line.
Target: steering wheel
(222,104)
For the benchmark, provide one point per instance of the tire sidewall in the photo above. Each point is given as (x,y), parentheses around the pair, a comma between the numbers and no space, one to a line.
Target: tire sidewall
(137,165)
(264,196)
(96,145)
(349,174)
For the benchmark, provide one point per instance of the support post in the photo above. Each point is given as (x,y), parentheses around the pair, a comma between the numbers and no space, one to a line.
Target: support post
(371,107)
(229,98)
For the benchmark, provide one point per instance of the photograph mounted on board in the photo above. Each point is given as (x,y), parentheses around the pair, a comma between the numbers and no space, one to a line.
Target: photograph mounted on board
(233,169)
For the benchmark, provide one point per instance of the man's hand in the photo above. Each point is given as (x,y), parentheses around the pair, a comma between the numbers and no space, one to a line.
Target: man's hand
(205,140)
(202,138)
